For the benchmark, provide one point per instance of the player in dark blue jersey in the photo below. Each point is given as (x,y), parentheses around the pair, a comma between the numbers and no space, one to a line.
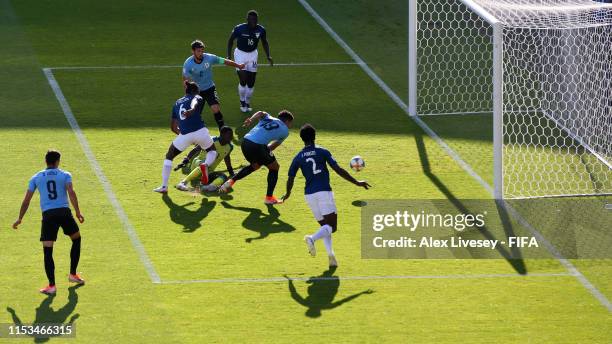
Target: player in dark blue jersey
(198,68)
(313,161)
(187,123)
(55,188)
(247,36)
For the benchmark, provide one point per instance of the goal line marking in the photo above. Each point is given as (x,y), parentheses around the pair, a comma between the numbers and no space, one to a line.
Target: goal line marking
(357,278)
(564,262)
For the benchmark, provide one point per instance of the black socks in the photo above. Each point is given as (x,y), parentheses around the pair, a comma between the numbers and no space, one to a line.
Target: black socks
(245,171)
(49,265)
(75,254)
(272,179)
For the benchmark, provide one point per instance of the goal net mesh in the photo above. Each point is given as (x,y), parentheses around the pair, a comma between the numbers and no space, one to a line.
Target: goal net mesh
(557,86)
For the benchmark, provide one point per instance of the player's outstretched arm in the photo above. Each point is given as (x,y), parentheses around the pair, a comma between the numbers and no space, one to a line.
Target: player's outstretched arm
(75,202)
(344,174)
(290,181)
(25,204)
(231,63)
(256,116)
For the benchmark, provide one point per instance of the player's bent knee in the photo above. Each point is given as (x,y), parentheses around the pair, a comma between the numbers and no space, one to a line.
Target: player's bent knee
(275,166)
(251,79)
(172,152)
(75,236)
(331,220)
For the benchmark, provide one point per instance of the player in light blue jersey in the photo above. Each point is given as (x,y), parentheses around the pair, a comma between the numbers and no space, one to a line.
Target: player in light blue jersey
(198,68)
(257,147)
(55,188)
(313,161)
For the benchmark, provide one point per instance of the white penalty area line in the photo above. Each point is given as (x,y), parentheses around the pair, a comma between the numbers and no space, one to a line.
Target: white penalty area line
(367,278)
(129,229)
(572,270)
(290,64)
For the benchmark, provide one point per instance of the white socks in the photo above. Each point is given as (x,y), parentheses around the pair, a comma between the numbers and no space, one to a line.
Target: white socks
(249,94)
(166,169)
(245,93)
(325,233)
(327,241)
(210,157)
(242,91)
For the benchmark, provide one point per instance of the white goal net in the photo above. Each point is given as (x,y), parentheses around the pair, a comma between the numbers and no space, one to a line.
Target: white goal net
(541,68)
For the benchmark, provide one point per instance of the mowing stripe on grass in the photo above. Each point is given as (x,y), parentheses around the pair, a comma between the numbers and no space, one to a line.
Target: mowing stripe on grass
(144,258)
(568,266)
(290,64)
(356,278)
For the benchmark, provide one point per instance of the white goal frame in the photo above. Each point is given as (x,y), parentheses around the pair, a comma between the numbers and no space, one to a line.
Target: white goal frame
(497,90)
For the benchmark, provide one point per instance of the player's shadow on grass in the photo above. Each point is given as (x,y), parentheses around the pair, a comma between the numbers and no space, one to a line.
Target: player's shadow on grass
(512,256)
(262,223)
(45,314)
(322,291)
(189,219)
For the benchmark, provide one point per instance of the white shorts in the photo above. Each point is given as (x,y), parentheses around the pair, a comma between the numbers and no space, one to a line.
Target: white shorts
(250,59)
(321,203)
(200,137)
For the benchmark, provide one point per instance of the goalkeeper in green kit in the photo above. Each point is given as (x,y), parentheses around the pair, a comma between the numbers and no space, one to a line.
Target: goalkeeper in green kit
(223,147)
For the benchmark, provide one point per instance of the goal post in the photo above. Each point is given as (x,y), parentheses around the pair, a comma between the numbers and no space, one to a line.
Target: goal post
(539,70)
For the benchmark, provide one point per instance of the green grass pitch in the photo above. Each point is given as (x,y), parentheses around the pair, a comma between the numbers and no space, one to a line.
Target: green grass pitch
(242,248)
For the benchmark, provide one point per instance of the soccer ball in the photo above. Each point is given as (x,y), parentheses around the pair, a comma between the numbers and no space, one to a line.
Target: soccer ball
(357,163)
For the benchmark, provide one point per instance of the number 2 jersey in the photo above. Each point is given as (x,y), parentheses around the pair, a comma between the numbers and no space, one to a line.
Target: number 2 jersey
(313,160)
(267,130)
(51,184)
(194,122)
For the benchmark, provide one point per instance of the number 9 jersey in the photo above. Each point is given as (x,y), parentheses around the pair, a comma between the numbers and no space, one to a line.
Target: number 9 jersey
(313,160)
(51,184)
